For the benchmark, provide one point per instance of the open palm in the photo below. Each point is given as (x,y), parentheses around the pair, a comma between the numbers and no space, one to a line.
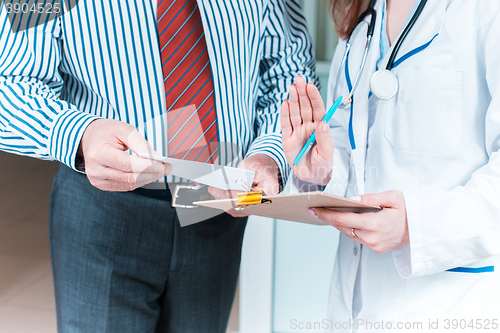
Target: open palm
(301,115)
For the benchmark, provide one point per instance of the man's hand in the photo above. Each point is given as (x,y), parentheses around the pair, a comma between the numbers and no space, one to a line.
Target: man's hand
(107,164)
(383,231)
(266,178)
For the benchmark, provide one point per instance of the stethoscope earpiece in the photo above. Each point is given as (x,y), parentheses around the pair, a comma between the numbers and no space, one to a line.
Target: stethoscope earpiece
(346,101)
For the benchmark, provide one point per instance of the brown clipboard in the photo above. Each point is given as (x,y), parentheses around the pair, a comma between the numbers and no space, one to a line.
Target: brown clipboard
(288,207)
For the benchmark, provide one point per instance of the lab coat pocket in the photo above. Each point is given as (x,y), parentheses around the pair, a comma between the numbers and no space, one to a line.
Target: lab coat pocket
(425,115)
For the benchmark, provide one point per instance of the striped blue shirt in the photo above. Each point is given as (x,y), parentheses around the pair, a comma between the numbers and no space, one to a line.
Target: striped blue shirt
(102,60)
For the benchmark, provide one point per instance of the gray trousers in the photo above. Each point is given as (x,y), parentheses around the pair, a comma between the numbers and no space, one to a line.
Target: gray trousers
(122,263)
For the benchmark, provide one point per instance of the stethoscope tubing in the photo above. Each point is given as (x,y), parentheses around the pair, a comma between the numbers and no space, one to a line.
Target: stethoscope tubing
(405,33)
(390,65)
(369,35)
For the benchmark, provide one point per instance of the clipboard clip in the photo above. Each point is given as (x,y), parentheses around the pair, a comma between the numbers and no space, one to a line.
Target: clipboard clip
(251,198)
(175,195)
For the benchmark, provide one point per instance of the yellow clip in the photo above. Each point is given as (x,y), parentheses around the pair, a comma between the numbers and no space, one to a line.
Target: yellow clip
(250,198)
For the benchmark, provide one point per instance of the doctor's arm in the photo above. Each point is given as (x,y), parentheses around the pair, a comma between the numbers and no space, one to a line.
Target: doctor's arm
(459,227)
(433,231)
(301,116)
(307,109)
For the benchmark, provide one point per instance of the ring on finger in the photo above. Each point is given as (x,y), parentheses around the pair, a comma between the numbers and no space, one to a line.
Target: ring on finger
(354,236)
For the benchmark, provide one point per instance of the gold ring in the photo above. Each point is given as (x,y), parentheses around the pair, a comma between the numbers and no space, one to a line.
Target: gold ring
(354,236)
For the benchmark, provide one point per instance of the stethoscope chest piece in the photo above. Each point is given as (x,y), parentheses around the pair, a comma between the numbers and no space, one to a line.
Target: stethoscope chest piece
(384,84)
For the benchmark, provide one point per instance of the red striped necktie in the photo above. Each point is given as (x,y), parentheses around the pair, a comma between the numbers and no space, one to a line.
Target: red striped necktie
(189,90)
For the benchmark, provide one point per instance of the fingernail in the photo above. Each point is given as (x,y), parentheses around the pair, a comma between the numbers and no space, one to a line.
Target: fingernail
(325,126)
(312,213)
(356,198)
(168,169)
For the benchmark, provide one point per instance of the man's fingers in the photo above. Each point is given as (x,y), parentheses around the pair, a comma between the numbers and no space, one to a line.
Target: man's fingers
(286,125)
(270,186)
(235,214)
(122,161)
(119,171)
(318,107)
(304,102)
(109,166)
(136,142)
(134,179)
(218,194)
(106,178)
(385,199)
(110,186)
(295,117)
(338,219)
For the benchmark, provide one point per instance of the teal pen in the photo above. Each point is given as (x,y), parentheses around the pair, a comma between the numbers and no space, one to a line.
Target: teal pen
(312,139)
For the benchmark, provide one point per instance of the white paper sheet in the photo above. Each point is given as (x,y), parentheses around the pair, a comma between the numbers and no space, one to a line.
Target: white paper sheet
(222,177)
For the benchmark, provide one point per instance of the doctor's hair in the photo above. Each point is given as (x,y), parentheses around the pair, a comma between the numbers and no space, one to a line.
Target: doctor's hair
(345,14)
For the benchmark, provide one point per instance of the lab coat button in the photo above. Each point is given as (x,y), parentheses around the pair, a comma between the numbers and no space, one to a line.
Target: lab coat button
(355,251)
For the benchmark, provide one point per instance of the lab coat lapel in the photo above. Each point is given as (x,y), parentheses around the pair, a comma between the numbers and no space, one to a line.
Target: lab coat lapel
(360,113)
(426,27)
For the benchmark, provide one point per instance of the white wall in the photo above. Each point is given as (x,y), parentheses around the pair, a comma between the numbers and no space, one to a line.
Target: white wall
(304,257)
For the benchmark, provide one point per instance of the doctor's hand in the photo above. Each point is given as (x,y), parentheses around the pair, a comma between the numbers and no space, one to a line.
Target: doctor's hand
(300,116)
(382,231)
(266,178)
(107,164)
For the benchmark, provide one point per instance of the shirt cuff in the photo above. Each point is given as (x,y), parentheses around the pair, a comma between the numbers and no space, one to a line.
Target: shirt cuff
(444,233)
(403,256)
(270,145)
(66,133)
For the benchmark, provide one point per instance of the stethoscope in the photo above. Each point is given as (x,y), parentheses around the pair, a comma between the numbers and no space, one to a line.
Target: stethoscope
(383,83)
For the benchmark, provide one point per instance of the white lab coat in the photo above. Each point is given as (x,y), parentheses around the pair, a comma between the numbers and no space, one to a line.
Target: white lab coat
(437,141)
